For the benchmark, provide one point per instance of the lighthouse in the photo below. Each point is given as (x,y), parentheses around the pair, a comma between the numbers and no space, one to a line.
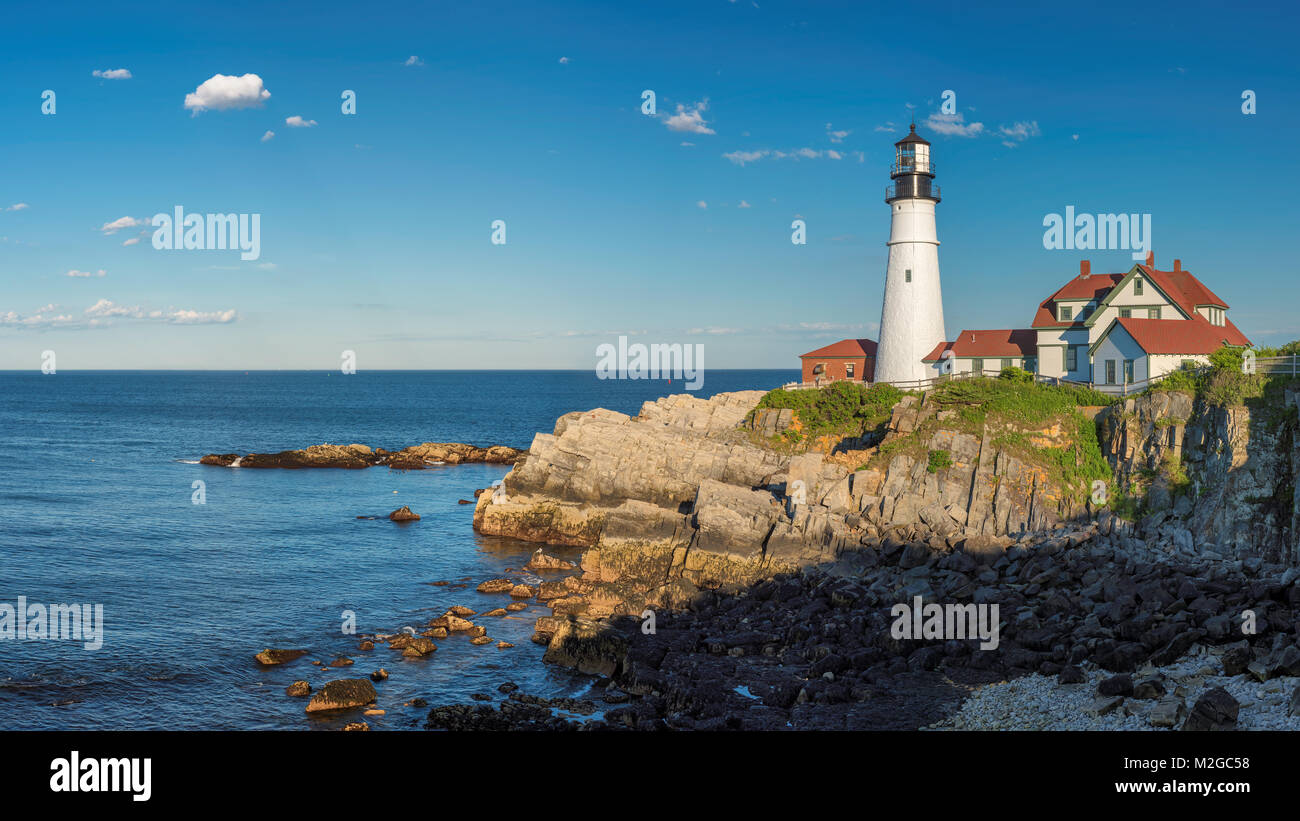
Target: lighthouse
(911,319)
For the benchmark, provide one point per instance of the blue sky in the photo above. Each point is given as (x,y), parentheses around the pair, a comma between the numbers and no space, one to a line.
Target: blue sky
(375,227)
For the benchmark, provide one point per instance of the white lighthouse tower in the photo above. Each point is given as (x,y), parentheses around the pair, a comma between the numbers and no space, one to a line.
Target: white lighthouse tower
(911,321)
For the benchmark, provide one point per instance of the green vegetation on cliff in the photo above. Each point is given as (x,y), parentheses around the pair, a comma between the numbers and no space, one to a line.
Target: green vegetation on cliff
(844,409)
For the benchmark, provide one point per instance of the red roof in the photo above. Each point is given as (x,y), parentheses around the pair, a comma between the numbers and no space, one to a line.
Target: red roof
(1084,286)
(1183,288)
(1182,336)
(1180,286)
(846,347)
(993,343)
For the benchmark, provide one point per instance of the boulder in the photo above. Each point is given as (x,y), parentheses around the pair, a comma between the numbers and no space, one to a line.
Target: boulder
(1214,710)
(343,694)
(404,514)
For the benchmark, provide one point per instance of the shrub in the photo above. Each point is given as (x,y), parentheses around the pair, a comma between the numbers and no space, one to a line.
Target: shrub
(1014,374)
(840,408)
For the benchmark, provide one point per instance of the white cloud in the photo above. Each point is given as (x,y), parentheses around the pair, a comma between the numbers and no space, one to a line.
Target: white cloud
(131,241)
(298,122)
(701,204)
(221,91)
(413,61)
(836,136)
(690,119)
(112,74)
(18,206)
(744,204)
(564,61)
(75,273)
(268,136)
(103,312)
(120,223)
(1020,131)
(742,157)
(953,125)
(1074,137)
(887,127)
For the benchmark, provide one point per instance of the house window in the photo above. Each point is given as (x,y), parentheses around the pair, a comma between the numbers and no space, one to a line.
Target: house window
(848,370)
(1031,364)
(1137,286)
(977,366)
(1110,372)
(1125,313)
(1064,313)
(1153,313)
(1072,358)
(908,274)
(1128,371)
(1006,362)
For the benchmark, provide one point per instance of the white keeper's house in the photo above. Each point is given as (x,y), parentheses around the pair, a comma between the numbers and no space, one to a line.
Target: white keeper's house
(1108,329)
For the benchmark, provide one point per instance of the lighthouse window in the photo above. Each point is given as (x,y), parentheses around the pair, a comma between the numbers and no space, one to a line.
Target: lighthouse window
(908,274)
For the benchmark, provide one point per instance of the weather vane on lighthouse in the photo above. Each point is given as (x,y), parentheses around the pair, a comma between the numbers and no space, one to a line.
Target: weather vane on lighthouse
(911,319)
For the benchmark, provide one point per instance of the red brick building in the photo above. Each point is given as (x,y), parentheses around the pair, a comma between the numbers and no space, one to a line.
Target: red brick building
(852,359)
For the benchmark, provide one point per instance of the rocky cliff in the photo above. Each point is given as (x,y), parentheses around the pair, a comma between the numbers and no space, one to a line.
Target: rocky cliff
(693,493)
(1209,477)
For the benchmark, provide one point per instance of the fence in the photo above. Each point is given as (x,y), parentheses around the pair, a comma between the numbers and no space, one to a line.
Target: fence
(1265,366)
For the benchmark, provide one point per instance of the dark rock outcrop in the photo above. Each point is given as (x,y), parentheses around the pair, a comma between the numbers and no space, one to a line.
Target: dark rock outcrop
(356,457)
(343,694)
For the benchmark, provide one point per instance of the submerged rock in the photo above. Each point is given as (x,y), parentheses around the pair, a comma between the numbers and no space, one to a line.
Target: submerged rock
(270,657)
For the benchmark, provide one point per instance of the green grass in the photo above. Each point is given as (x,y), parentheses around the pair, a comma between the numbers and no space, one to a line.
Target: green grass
(839,409)
(939,460)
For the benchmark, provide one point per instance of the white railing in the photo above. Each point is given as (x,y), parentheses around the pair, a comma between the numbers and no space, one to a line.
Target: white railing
(1265,366)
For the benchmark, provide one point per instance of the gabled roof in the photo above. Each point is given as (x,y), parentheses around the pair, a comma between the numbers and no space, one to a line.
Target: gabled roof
(1183,288)
(845,348)
(1084,286)
(1177,336)
(1180,287)
(1003,342)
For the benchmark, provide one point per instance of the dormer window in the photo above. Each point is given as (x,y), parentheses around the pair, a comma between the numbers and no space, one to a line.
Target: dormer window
(1064,313)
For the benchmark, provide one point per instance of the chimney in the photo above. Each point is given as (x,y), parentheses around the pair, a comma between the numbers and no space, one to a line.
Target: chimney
(1085,267)
(1178,266)
(1151,259)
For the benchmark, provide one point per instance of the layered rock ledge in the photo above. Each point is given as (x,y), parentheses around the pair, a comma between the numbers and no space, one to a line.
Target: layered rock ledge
(355,457)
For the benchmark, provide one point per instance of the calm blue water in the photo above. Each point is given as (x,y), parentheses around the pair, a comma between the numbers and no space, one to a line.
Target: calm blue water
(95,508)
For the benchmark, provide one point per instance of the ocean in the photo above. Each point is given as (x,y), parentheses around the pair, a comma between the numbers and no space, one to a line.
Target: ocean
(97,492)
